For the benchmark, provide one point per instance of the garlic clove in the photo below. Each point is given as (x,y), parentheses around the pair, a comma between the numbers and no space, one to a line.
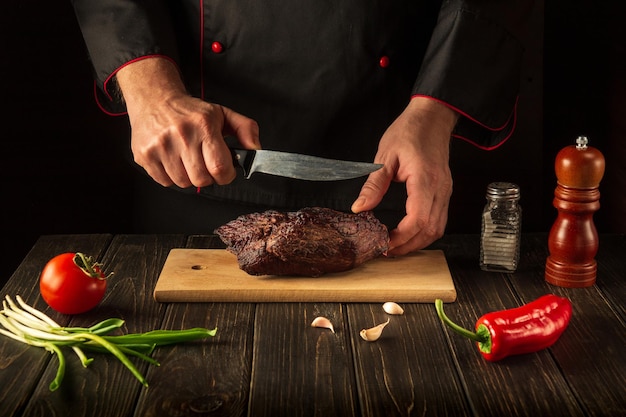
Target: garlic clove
(374,333)
(393,308)
(323,322)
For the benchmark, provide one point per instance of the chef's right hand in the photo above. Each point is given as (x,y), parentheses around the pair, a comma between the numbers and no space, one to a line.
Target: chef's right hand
(414,150)
(179,139)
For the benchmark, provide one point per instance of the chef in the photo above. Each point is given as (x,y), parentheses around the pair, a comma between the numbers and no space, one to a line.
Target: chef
(383,81)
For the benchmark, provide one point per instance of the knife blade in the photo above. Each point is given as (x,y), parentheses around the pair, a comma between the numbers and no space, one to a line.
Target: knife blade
(298,166)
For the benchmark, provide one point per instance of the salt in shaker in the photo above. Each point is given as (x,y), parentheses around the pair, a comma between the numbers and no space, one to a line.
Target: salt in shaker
(501,228)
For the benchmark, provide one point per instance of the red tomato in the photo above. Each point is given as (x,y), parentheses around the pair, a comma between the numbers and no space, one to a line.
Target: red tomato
(71,283)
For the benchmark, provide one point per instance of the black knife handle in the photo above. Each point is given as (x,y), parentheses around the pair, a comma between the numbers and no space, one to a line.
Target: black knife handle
(243,158)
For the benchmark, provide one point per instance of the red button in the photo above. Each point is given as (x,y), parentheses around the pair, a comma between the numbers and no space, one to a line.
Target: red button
(384,61)
(217,47)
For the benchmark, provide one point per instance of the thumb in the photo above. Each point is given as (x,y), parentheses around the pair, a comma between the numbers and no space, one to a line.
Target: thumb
(245,129)
(372,191)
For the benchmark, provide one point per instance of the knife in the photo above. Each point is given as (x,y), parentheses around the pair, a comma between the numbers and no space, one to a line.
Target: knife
(301,167)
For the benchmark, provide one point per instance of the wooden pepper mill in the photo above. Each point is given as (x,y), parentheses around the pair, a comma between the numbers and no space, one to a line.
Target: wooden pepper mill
(573,239)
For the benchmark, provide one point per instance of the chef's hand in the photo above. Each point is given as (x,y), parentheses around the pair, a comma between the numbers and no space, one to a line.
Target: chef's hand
(176,138)
(415,151)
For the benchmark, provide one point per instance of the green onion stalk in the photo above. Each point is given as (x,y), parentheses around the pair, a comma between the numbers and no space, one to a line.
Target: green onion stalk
(28,325)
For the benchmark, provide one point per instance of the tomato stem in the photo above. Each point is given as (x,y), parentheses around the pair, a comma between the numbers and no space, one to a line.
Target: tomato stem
(89,266)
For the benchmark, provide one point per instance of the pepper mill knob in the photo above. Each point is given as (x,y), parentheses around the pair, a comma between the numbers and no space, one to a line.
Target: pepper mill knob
(573,239)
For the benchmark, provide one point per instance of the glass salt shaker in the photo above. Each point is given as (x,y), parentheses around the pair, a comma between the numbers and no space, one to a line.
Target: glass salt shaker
(501,228)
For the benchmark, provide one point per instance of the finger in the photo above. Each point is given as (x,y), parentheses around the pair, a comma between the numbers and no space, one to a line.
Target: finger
(372,191)
(196,168)
(406,237)
(245,129)
(157,172)
(175,169)
(162,162)
(418,211)
(422,239)
(194,163)
(416,231)
(218,162)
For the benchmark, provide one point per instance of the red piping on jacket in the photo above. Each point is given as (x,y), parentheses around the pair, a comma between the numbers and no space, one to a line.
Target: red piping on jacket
(201,49)
(493,129)
(201,30)
(110,77)
(201,59)
(100,106)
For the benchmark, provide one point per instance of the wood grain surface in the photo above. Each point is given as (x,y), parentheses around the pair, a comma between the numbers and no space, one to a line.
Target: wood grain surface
(267,360)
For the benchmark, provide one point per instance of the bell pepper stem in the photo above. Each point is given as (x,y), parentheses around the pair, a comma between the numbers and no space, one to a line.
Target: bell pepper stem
(455,327)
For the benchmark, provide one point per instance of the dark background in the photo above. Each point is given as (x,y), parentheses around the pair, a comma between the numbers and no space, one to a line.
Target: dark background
(66,168)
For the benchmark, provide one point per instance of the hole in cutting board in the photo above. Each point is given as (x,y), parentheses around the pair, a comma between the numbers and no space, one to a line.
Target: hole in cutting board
(194,275)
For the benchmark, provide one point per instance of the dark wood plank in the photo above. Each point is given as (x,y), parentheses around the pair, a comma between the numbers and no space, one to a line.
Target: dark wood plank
(294,369)
(21,365)
(530,384)
(590,353)
(212,375)
(106,387)
(299,370)
(201,377)
(611,260)
(408,371)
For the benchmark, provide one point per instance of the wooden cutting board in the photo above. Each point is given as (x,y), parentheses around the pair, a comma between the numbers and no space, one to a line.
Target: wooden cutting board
(197,275)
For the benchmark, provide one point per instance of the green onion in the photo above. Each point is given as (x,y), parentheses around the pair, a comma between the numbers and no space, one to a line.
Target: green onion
(28,325)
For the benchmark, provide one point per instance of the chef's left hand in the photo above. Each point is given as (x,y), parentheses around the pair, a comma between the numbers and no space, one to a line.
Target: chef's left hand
(415,151)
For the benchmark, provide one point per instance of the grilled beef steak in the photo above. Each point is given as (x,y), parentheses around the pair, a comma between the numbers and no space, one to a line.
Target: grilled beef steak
(309,242)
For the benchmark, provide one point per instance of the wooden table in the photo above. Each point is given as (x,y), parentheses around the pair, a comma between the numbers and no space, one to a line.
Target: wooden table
(267,361)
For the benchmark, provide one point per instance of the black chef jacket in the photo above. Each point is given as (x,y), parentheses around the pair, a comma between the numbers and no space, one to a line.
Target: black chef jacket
(320,77)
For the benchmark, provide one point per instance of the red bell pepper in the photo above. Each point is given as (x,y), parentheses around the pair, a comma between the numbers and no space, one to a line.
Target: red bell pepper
(529,328)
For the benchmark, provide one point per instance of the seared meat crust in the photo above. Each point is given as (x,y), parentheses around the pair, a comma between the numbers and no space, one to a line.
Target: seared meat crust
(309,242)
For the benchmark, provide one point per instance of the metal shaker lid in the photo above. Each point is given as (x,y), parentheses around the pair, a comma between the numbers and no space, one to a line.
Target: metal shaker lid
(503,191)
